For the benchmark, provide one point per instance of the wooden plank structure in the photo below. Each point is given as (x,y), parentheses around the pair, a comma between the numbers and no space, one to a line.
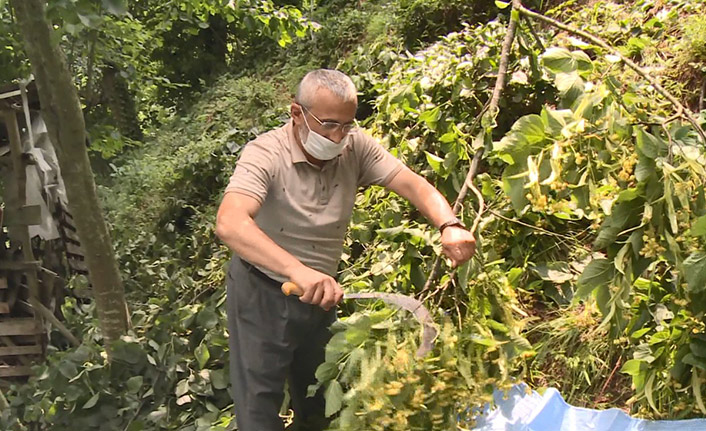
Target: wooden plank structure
(27,288)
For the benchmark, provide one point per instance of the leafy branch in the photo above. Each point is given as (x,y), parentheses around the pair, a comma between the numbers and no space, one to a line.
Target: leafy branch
(682,111)
(492,112)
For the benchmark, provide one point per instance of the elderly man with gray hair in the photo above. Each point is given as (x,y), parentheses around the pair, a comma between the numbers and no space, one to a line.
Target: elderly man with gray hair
(285,214)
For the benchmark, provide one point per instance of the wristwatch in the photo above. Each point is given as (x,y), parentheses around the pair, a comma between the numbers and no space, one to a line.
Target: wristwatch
(453,222)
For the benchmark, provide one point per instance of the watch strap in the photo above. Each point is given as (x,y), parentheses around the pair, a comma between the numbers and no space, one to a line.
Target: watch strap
(453,222)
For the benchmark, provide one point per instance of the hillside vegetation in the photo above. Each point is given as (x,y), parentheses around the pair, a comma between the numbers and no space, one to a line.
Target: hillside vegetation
(590,274)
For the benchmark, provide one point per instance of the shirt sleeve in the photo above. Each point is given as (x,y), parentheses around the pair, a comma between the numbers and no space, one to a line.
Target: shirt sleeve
(253,171)
(377,165)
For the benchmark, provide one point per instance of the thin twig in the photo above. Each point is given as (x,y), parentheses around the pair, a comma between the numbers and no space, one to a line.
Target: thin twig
(702,96)
(481,206)
(521,223)
(134,416)
(492,109)
(48,315)
(610,377)
(631,64)
(534,34)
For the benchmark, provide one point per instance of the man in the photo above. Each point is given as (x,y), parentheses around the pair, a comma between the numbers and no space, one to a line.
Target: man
(285,215)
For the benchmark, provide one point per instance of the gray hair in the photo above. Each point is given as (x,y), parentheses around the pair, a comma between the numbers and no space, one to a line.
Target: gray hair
(336,82)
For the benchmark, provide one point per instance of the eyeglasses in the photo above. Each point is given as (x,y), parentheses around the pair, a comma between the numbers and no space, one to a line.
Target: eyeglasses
(332,126)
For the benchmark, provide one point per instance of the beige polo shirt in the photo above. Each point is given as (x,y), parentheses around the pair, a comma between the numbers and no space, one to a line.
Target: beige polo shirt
(306,209)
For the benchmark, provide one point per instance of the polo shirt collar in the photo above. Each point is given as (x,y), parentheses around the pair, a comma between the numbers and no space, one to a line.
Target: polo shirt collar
(298,155)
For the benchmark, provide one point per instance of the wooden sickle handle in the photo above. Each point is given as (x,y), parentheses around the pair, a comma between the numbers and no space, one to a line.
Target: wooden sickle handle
(289,288)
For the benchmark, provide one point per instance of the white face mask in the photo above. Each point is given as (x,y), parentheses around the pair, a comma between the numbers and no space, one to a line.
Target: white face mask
(320,147)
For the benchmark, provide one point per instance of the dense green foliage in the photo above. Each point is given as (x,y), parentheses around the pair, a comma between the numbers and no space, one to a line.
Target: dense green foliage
(591,267)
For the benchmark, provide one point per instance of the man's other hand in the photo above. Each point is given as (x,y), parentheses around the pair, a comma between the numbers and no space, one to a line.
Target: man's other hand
(458,244)
(319,289)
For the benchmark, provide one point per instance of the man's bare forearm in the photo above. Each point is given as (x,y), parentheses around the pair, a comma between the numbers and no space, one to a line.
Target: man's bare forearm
(245,238)
(432,205)
(423,196)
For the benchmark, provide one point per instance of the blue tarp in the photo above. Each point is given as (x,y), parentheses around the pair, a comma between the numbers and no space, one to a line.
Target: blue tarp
(524,410)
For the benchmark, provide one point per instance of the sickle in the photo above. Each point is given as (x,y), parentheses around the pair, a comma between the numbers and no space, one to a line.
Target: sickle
(414,306)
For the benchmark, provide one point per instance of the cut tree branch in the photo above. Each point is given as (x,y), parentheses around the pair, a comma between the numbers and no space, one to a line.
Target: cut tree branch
(681,109)
(492,110)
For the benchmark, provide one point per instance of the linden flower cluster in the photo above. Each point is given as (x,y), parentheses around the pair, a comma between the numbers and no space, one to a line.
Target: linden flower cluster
(651,247)
(539,204)
(626,173)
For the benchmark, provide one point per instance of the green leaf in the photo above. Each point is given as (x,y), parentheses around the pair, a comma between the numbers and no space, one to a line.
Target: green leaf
(128,351)
(134,384)
(583,61)
(700,205)
(555,120)
(531,129)
(326,371)
(207,318)
(91,402)
(356,335)
(607,235)
(430,117)
(182,387)
(629,194)
(68,369)
(633,367)
(699,227)
(463,274)
(694,361)
(647,144)
(559,60)
(448,137)
(116,7)
(513,276)
(336,347)
(501,4)
(639,333)
(599,272)
(493,324)
(698,348)
(619,261)
(648,392)
(569,84)
(90,20)
(435,162)
(603,298)
(450,161)
(556,272)
(202,355)
(483,341)
(514,187)
(334,398)
(645,168)
(695,272)
(219,379)
(643,352)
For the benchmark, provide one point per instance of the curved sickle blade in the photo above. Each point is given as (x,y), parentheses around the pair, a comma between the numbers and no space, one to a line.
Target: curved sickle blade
(414,306)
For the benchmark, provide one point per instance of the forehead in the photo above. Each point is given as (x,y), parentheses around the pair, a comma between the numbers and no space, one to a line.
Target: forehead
(327,106)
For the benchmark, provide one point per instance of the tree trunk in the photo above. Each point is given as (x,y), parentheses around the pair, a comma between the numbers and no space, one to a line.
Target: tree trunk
(62,113)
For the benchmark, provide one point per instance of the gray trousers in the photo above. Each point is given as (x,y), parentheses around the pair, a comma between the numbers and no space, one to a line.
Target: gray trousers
(273,338)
